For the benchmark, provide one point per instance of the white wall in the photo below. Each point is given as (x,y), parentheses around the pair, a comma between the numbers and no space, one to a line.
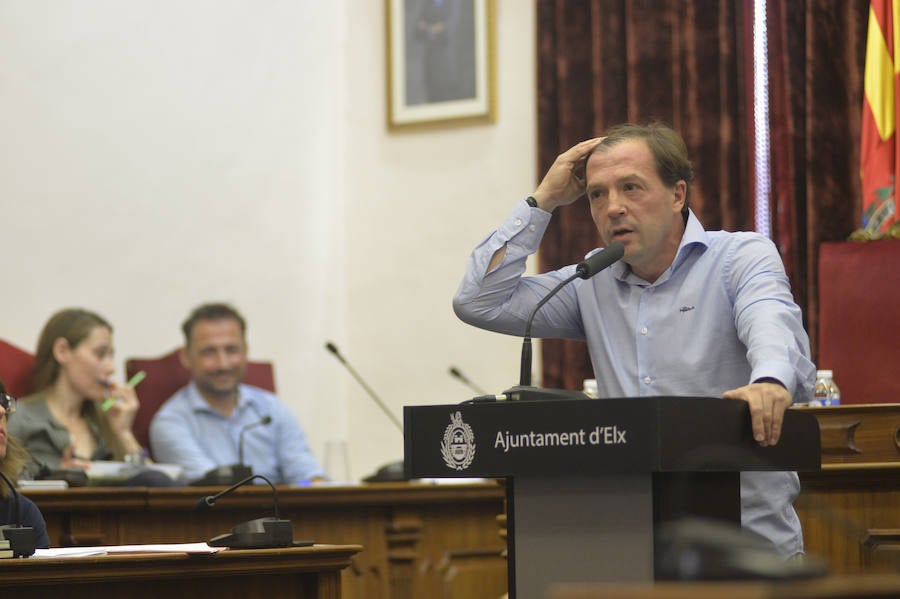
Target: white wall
(157,155)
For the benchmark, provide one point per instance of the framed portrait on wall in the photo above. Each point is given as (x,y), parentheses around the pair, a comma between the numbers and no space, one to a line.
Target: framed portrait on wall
(440,56)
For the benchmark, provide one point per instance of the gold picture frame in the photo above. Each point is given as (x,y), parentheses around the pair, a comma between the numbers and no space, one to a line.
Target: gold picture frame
(440,57)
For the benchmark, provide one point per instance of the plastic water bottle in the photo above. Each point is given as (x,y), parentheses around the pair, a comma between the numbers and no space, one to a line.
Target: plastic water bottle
(590,388)
(827,392)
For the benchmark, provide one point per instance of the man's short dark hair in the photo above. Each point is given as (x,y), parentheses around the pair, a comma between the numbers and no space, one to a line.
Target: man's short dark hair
(668,150)
(213,311)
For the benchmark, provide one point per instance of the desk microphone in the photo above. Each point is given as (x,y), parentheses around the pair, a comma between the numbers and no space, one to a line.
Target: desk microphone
(231,473)
(393,471)
(265,420)
(585,270)
(456,373)
(22,539)
(261,533)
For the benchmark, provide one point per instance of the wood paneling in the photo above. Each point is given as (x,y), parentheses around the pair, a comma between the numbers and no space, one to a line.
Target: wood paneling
(303,573)
(851,509)
(409,530)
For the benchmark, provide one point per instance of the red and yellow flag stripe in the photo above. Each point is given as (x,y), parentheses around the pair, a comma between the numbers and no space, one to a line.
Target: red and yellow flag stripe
(879,156)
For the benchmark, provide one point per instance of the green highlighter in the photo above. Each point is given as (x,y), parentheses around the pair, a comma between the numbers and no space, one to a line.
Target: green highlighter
(132,382)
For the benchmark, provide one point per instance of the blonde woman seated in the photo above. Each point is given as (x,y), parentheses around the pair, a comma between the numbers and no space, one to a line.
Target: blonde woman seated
(62,422)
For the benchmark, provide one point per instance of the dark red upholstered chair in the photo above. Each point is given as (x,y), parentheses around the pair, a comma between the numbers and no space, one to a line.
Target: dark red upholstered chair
(859,319)
(166,375)
(16,366)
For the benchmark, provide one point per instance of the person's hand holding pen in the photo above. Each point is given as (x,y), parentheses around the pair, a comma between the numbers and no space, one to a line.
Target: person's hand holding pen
(121,404)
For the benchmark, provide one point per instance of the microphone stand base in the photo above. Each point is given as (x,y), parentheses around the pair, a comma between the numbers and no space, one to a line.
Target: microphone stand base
(262,533)
(223,475)
(392,472)
(529,393)
(22,539)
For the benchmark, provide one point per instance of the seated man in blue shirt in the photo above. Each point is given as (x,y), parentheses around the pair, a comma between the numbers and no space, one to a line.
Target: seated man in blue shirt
(686,311)
(200,427)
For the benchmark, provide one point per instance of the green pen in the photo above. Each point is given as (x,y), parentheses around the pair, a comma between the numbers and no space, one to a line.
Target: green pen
(133,382)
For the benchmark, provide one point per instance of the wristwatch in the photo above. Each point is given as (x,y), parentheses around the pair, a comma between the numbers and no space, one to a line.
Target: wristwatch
(531,202)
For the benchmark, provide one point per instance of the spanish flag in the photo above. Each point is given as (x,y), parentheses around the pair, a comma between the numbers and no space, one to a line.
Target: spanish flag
(879,155)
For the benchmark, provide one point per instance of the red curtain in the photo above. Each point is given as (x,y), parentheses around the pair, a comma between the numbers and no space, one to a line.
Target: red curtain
(816,66)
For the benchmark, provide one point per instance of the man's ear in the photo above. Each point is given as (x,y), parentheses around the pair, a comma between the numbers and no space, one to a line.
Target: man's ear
(61,350)
(183,357)
(679,191)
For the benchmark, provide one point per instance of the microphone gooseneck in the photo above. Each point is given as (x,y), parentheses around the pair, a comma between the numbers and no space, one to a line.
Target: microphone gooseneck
(210,500)
(585,270)
(261,533)
(457,373)
(331,347)
(265,420)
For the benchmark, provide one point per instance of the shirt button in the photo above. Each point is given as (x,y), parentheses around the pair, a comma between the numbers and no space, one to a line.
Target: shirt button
(531,228)
(648,380)
(643,330)
(518,222)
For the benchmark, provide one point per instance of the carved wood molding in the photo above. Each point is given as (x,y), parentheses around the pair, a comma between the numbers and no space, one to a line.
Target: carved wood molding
(403,533)
(839,437)
(474,573)
(888,538)
(881,549)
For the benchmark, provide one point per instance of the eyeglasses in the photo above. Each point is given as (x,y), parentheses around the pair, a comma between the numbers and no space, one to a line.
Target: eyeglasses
(8,403)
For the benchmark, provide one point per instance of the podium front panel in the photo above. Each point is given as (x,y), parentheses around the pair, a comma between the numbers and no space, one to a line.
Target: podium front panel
(555,438)
(581,437)
(591,478)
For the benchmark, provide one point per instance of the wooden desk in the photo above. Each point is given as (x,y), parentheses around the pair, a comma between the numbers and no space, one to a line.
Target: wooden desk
(442,541)
(858,587)
(420,540)
(303,572)
(851,509)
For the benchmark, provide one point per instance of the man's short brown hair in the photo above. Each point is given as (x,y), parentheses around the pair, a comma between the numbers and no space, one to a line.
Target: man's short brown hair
(212,311)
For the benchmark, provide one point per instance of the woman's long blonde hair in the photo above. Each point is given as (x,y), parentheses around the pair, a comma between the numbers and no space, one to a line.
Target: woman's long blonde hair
(16,457)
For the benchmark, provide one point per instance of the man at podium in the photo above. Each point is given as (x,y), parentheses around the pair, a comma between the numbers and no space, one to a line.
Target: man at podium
(686,312)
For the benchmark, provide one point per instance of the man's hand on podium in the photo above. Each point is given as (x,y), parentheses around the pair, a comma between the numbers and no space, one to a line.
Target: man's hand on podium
(768,400)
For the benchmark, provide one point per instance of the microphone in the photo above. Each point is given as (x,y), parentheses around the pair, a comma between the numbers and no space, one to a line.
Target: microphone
(264,421)
(394,471)
(231,473)
(584,270)
(74,477)
(22,539)
(333,349)
(456,373)
(261,533)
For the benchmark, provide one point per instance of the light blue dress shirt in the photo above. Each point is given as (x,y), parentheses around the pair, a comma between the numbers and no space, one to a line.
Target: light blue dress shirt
(721,316)
(188,432)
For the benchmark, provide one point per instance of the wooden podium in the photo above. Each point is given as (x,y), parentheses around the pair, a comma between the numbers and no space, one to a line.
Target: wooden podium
(589,480)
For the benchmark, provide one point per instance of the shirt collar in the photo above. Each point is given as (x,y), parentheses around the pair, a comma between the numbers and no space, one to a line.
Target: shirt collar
(198,404)
(694,235)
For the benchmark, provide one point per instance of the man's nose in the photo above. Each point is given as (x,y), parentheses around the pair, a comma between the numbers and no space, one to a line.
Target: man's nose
(615,205)
(222,359)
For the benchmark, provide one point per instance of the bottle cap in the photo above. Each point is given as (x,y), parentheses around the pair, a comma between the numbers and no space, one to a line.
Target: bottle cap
(824,374)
